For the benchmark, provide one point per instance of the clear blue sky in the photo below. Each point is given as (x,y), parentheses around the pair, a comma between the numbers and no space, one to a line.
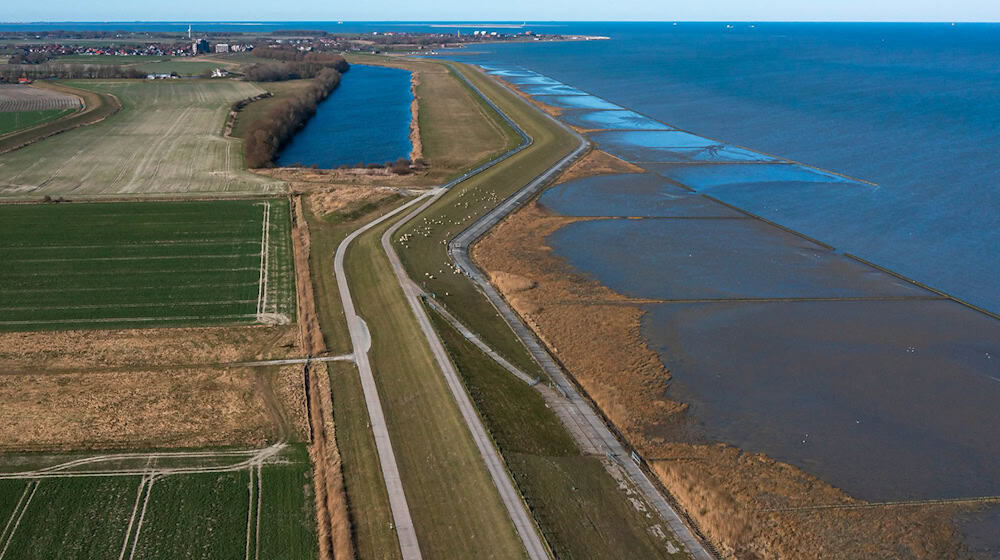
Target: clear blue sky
(574,10)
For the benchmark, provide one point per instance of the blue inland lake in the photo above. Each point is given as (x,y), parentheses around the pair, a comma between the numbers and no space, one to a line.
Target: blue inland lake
(365,120)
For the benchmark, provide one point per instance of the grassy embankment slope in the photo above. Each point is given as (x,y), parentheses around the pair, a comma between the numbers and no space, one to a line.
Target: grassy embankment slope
(166,140)
(19,120)
(424,252)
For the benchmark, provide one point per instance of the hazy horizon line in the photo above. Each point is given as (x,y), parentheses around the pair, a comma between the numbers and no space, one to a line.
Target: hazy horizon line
(486,22)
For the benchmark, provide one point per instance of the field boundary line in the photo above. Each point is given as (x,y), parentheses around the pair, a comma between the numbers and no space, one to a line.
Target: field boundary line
(250,503)
(13,514)
(123,288)
(129,319)
(142,516)
(133,305)
(146,271)
(260,504)
(131,521)
(265,240)
(24,508)
(252,457)
(144,258)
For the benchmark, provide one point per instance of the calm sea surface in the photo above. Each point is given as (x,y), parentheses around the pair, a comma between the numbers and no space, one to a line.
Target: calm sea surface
(914,108)
(365,120)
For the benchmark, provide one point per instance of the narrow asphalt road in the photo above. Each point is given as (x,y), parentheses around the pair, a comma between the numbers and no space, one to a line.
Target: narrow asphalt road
(361,341)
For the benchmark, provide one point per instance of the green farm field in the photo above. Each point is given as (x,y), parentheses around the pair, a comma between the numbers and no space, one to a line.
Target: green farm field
(17,120)
(257,507)
(167,140)
(149,264)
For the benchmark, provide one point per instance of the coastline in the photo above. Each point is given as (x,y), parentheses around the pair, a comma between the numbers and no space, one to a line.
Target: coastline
(731,494)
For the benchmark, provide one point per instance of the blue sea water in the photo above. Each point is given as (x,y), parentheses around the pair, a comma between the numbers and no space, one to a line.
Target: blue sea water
(365,120)
(913,108)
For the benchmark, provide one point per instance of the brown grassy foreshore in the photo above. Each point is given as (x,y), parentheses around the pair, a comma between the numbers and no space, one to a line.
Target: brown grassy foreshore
(730,494)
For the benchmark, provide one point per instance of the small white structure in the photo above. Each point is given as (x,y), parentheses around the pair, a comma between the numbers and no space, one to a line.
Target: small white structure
(219,73)
(222,47)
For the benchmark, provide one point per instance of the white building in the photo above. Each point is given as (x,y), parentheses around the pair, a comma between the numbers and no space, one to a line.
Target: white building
(222,48)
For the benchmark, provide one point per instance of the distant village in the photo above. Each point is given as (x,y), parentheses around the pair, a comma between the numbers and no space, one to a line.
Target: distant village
(49,46)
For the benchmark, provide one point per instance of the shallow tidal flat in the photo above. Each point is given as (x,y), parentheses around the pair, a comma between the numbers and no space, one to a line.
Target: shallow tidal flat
(780,345)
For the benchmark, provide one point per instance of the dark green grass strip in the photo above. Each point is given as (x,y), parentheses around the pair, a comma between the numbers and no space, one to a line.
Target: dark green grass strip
(371,518)
(17,120)
(75,518)
(288,517)
(574,500)
(196,516)
(108,265)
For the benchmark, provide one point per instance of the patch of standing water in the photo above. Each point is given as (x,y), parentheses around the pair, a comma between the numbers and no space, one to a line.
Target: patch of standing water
(668,146)
(579,102)
(887,400)
(709,176)
(551,90)
(682,259)
(614,120)
(630,195)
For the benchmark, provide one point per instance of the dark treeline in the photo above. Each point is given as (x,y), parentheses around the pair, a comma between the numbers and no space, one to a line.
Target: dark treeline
(11,72)
(266,135)
(294,65)
(27,57)
(291,54)
(281,71)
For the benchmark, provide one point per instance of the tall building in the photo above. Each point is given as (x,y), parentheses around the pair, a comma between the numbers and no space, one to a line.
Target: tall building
(200,46)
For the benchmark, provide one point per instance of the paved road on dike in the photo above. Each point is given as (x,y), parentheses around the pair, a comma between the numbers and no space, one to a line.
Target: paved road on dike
(361,342)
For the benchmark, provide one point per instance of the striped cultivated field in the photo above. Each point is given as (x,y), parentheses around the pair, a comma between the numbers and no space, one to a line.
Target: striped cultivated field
(27,98)
(151,264)
(252,505)
(167,140)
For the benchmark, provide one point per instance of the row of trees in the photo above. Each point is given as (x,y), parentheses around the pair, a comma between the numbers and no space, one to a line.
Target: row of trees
(281,71)
(11,72)
(266,135)
(27,57)
(292,54)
